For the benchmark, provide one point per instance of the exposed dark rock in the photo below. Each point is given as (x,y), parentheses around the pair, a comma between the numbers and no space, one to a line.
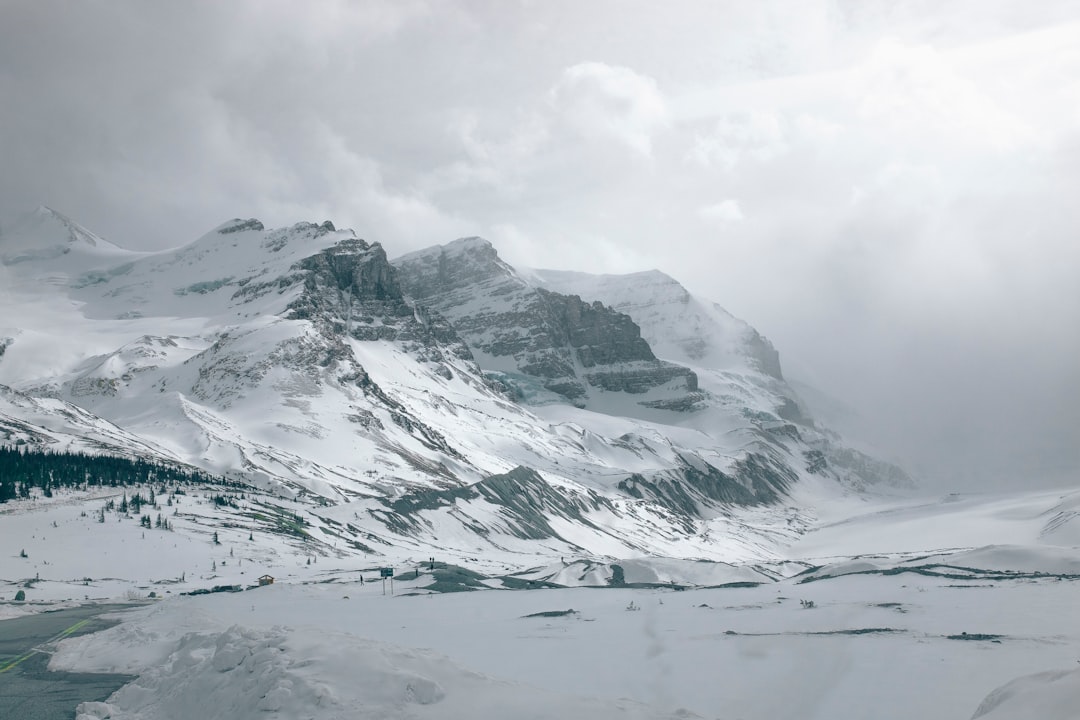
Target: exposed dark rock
(238,225)
(816,463)
(697,486)
(790,410)
(686,403)
(763,354)
(527,503)
(677,325)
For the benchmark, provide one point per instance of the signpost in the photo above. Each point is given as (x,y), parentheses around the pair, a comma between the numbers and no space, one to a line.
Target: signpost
(387,572)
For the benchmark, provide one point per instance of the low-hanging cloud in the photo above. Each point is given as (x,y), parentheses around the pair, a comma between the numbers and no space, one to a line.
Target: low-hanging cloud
(604,100)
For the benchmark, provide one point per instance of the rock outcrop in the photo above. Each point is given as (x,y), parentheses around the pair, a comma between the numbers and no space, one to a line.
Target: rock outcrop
(351,289)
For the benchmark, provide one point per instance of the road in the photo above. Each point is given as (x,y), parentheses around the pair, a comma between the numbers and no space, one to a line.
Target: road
(28,691)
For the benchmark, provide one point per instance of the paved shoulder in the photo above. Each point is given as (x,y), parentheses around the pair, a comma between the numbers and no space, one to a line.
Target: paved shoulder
(28,691)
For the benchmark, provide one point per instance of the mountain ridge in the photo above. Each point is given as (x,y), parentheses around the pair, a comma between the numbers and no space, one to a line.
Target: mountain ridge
(301,358)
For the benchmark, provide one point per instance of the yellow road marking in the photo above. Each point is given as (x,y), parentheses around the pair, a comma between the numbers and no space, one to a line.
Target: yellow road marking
(71,629)
(15,662)
(59,636)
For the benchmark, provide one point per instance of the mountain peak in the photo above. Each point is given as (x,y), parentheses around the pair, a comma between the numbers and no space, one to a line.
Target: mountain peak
(239,225)
(474,246)
(45,211)
(455,264)
(45,234)
(44,217)
(468,243)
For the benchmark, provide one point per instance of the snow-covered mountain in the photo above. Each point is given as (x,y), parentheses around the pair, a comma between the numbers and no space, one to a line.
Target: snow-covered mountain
(446,400)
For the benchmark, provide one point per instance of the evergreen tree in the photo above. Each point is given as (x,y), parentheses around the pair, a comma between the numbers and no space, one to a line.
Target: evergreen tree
(7,488)
(23,469)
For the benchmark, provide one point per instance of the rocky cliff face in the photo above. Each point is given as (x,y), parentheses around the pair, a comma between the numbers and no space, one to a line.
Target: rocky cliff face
(574,349)
(351,289)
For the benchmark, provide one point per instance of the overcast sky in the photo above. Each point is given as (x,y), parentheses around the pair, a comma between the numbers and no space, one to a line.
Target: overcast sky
(889,190)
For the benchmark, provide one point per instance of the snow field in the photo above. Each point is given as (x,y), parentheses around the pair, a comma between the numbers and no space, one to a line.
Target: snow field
(318,644)
(871,647)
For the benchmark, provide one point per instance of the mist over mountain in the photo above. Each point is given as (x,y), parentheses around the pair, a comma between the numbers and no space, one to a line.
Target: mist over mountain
(440,399)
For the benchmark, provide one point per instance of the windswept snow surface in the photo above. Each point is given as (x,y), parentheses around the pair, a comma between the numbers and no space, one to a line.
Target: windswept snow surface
(871,647)
(916,630)
(851,526)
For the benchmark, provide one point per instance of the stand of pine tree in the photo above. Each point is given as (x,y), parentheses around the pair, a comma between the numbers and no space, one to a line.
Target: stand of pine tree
(22,469)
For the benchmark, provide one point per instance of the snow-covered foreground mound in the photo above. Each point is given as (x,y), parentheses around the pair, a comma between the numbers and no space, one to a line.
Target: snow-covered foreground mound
(242,673)
(190,670)
(1052,694)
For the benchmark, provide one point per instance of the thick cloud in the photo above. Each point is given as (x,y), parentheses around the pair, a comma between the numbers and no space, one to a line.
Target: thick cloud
(885,189)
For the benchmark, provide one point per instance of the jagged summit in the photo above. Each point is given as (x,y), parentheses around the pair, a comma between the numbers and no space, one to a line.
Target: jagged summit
(474,244)
(239,225)
(456,265)
(468,244)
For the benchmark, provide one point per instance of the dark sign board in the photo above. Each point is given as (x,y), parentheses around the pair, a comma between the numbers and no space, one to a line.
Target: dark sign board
(386,572)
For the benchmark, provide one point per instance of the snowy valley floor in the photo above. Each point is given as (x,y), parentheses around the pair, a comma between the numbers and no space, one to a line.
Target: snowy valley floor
(920,610)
